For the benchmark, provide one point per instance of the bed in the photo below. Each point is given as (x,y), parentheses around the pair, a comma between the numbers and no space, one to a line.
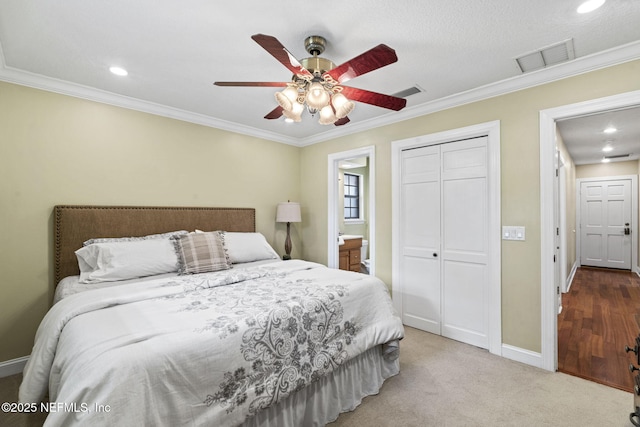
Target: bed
(252,341)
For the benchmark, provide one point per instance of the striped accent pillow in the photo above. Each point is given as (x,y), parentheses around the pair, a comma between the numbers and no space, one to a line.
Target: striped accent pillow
(201,252)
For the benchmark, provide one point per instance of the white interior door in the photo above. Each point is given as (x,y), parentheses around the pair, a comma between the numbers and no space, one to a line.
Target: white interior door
(444,205)
(465,241)
(420,237)
(605,215)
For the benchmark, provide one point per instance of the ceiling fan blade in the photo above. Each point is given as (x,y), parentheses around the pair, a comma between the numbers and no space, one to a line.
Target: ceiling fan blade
(370,60)
(252,84)
(276,113)
(342,121)
(374,98)
(278,51)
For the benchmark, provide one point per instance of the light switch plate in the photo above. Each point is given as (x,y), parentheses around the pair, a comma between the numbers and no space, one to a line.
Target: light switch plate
(511,232)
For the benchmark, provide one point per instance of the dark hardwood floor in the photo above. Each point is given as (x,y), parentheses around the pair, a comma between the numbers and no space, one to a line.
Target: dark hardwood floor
(600,315)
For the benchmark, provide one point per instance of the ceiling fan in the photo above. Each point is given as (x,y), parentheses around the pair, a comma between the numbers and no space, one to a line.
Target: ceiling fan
(317,82)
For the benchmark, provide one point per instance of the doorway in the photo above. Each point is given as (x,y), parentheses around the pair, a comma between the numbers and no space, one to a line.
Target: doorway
(549,300)
(334,206)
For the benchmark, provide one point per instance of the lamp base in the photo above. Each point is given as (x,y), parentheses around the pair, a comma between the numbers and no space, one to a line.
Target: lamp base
(286,257)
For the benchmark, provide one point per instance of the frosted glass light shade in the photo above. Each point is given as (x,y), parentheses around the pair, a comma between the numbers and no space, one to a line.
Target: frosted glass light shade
(295,112)
(317,97)
(287,97)
(342,105)
(326,116)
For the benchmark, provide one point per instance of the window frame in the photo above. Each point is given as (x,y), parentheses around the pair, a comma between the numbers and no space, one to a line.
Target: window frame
(360,196)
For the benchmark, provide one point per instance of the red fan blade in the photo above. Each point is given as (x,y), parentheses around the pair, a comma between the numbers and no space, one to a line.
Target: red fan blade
(372,59)
(342,121)
(252,84)
(276,113)
(278,51)
(374,98)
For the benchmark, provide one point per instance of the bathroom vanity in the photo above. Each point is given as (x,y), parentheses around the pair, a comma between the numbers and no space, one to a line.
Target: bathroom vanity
(349,253)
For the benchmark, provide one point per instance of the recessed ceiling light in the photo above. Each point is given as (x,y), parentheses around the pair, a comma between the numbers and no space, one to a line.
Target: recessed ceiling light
(118,71)
(590,6)
(610,129)
(605,160)
(607,148)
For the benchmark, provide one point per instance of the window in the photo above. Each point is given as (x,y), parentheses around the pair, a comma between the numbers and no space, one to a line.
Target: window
(353,197)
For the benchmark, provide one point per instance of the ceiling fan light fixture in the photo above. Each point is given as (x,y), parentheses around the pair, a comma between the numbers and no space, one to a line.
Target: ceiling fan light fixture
(317,96)
(295,113)
(327,117)
(342,105)
(283,101)
(287,97)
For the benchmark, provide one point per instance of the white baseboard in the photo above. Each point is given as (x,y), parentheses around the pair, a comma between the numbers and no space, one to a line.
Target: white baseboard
(13,366)
(521,355)
(572,275)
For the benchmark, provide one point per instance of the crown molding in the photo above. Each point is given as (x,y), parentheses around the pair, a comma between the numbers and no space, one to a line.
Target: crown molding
(38,81)
(585,64)
(607,58)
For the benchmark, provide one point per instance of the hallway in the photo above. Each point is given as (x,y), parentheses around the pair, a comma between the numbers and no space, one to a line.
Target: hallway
(601,314)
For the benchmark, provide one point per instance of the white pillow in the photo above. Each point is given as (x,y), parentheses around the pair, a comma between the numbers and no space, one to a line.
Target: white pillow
(135,239)
(247,247)
(111,261)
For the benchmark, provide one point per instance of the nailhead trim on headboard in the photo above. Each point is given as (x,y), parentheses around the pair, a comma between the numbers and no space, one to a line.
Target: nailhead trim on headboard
(76,223)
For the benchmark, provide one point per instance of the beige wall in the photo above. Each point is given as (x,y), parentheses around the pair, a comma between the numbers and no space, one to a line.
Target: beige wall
(600,170)
(570,203)
(56,149)
(518,113)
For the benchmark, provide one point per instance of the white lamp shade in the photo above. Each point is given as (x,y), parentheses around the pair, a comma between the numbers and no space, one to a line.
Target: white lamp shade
(342,105)
(317,97)
(288,212)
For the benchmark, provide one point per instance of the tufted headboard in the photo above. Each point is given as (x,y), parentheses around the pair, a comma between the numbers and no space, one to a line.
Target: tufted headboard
(75,224)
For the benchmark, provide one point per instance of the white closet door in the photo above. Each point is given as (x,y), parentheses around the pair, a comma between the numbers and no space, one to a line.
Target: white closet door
(444,225)
(465,251)
(605,214)
(420,228)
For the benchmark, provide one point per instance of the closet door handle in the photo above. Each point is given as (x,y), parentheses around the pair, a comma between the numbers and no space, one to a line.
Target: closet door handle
(435,254)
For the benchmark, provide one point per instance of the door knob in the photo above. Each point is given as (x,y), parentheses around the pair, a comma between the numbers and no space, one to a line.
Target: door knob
(435,255)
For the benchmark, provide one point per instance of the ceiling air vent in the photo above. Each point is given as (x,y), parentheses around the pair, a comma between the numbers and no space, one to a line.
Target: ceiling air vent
(547,56)
(617,156)
(408,92)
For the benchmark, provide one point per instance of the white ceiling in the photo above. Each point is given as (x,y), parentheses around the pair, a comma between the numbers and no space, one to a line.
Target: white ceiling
(585,138)
(456,50)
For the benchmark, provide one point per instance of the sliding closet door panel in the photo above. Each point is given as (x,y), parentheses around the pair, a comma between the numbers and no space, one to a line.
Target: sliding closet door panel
(465,241)
(420,228)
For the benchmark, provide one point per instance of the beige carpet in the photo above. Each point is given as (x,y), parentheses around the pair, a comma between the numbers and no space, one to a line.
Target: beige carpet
(447,383)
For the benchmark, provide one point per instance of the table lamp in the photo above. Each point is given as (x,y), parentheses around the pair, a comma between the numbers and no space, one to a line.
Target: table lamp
(288,212)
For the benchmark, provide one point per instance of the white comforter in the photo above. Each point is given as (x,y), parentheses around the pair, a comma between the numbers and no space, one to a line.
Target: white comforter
(207,349)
